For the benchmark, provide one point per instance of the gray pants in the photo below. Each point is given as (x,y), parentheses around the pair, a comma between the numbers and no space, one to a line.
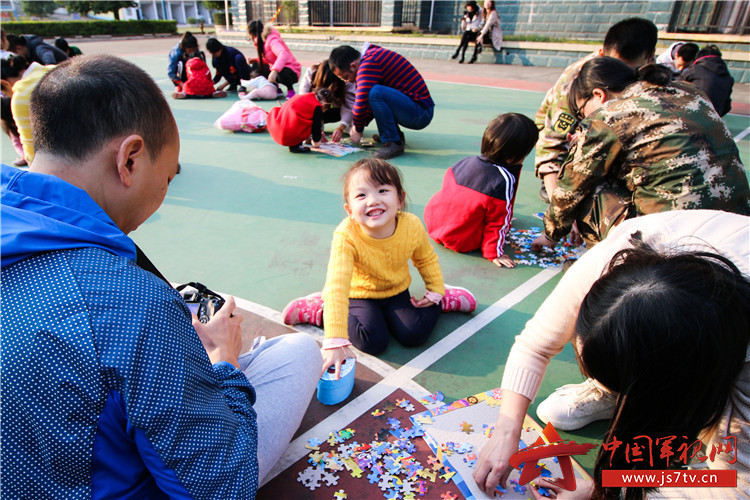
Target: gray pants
(284,372)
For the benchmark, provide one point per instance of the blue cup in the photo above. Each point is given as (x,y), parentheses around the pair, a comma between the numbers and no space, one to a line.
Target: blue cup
(332,391)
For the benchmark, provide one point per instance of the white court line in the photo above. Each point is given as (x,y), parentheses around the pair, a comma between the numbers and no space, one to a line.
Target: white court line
(403,377)
(742,135)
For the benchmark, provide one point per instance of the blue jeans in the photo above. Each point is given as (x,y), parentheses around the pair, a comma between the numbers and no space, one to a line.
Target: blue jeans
(392,108)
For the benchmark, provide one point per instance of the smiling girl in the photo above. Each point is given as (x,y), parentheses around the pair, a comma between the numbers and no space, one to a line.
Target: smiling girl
(366,294)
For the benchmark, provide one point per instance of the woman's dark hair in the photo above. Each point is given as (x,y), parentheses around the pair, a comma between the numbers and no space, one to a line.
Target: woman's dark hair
(255,29)
(188,41)
(474,8)
(86,101)
(13,67)
(709,50)
(377,171)
(214,45)
(509,138)
(646,328)
(487,11)
(609,73)
(324,77)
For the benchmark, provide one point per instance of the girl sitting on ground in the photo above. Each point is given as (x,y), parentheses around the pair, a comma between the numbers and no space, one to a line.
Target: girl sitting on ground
(199,84)
(299,119)
(474,208)
(366,294)
(321,75)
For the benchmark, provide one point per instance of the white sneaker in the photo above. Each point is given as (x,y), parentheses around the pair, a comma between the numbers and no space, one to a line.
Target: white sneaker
(574,406)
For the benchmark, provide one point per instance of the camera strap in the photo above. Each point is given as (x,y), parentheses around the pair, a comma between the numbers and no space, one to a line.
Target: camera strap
(145,263)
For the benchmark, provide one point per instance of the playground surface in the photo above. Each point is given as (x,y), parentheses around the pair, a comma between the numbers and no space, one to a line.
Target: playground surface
(247,218)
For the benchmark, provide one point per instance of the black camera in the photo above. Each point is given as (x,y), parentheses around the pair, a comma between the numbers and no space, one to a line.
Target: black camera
(200,300)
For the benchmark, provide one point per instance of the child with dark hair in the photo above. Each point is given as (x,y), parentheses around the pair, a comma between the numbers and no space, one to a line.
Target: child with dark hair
(198,84)
(229,64)
(710,74)
(474,208)
(34,49)
(678,57)
(186,49)
(319,76)
(366,295)
(70,50)
(299,119)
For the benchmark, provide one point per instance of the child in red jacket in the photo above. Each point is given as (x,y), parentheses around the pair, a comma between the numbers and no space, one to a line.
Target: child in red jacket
(298,119)
(474,208)
(199,83)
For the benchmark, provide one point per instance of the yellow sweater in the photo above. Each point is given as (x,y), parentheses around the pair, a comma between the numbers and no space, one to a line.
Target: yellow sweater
(19,105)
(362,267)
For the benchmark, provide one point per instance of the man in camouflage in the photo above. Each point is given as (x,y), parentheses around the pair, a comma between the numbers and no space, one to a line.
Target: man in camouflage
(652,149)
(633,41)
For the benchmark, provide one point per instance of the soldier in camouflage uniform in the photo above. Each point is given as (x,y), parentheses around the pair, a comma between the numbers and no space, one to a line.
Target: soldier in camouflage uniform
(652,147)
(634,42)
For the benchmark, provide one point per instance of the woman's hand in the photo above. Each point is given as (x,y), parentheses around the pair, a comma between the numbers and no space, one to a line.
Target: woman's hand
(354,135)
(504,260)
(493,466)
(575,236)
(273,76)
(334,357)
(584,490)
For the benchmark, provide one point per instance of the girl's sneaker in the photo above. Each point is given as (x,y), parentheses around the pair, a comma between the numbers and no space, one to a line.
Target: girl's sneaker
(304,310)
(458,299)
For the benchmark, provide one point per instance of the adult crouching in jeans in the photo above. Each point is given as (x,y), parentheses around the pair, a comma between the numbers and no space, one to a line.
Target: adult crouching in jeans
(389,89)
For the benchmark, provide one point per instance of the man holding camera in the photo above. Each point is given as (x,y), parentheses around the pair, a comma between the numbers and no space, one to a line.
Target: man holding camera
(110,388)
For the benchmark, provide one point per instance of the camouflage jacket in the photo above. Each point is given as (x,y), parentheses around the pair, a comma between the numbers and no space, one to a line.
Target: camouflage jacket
(555,122)
(666,145)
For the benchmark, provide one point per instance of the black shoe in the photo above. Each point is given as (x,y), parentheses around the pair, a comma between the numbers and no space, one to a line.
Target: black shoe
(390,150)
(473,60)
(543,194)
(299,148)
(454,56)
(461,61)
(376,137)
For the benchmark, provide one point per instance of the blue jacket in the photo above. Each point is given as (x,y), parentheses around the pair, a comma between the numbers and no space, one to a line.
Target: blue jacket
(107,390)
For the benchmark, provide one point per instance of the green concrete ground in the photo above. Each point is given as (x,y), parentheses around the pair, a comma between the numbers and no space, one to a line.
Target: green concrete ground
(248,218)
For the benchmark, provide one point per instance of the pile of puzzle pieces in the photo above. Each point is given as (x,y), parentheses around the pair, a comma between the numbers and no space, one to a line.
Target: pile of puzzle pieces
(387,459)
(520,241)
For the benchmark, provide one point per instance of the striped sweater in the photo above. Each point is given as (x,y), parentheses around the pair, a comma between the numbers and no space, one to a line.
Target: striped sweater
(361,267)
(379,66)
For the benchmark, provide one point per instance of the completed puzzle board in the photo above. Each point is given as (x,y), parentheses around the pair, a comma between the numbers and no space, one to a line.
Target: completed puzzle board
(461,430)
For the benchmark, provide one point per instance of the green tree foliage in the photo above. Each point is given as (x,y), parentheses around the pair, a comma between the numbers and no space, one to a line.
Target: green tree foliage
(38,9)
(114,7)
(216,5)
(76,7)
